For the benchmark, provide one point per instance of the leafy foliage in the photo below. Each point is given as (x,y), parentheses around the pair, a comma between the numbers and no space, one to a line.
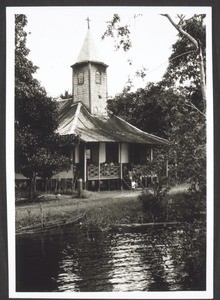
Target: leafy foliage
(170,115)
(25,84)
(120,33)
(174,107)
(152,206)
(66,95)
(39,151)
(184,60)
(163,205)
(188,60)
(189,142)
(143,108)
(187,116)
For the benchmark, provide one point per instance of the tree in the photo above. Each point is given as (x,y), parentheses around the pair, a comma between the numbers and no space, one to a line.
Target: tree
(143,108)
(192,41)
(37,146)
(66,95)
(166,113)
(178,101)
(187,67)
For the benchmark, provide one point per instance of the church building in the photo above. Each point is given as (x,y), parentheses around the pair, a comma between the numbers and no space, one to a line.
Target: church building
(109,149)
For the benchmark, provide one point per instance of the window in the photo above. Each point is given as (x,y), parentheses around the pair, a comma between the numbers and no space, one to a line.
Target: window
(88,153)
(111,152)
(98,77)
(80,78)
(92,153)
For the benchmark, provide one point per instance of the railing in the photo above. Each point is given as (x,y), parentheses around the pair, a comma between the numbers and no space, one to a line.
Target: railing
(112,171)
(142,170)
(107,171)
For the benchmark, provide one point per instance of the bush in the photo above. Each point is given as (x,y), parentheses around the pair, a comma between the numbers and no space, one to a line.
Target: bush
(153,205)
(187,207)
(182,206)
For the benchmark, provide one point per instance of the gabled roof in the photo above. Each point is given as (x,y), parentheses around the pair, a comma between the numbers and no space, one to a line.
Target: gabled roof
(75,120)
(88,52)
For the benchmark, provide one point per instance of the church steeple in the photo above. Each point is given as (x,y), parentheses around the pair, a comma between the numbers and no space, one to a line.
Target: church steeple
(88,51)
(90,78)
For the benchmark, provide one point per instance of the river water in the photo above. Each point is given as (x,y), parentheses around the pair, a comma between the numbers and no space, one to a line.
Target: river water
(143,258)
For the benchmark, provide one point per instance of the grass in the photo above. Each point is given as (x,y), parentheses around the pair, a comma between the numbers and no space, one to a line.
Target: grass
(101,211)
(106,208)
(114,211)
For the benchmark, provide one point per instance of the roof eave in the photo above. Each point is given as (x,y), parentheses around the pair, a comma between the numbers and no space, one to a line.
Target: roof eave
(89,61)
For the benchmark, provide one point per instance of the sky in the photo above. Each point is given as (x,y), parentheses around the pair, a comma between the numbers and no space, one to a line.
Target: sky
(57,33)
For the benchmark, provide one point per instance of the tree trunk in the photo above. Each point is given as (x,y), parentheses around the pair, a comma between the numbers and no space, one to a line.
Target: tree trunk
(199,49)
(45,185)
(175,167)
(202,76)
(32,186)
(56,185)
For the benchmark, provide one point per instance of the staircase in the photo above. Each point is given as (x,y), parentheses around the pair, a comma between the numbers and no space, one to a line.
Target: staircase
(126,183)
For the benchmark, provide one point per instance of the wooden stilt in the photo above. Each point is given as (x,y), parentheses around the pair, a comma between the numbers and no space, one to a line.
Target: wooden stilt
(99,169)
(120,162)
(55,186)
(85,167)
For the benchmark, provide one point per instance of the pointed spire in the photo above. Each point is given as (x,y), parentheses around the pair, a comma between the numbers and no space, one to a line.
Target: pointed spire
(88,51)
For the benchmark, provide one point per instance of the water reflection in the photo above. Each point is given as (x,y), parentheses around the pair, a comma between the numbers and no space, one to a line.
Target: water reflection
(37,262)
(88,259)
(128,271)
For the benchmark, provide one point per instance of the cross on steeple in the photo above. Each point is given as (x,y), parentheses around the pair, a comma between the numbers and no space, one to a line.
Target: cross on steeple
(88,20)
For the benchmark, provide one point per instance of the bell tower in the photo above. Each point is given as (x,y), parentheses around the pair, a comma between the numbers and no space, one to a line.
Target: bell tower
(89,79)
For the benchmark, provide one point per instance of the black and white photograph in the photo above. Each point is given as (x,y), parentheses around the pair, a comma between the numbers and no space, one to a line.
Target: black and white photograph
(109,142)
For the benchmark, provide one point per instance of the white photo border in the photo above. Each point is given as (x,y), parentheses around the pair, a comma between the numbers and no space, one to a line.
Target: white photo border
(208,294)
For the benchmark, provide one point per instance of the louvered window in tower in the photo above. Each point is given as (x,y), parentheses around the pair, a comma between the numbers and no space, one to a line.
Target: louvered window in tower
(98,77)
(80,78)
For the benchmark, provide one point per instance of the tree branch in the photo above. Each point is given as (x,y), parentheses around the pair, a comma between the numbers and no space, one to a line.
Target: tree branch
(189,104)
(200,54)
(181,31)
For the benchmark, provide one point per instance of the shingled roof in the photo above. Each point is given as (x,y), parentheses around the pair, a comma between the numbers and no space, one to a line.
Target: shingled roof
(74,119)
